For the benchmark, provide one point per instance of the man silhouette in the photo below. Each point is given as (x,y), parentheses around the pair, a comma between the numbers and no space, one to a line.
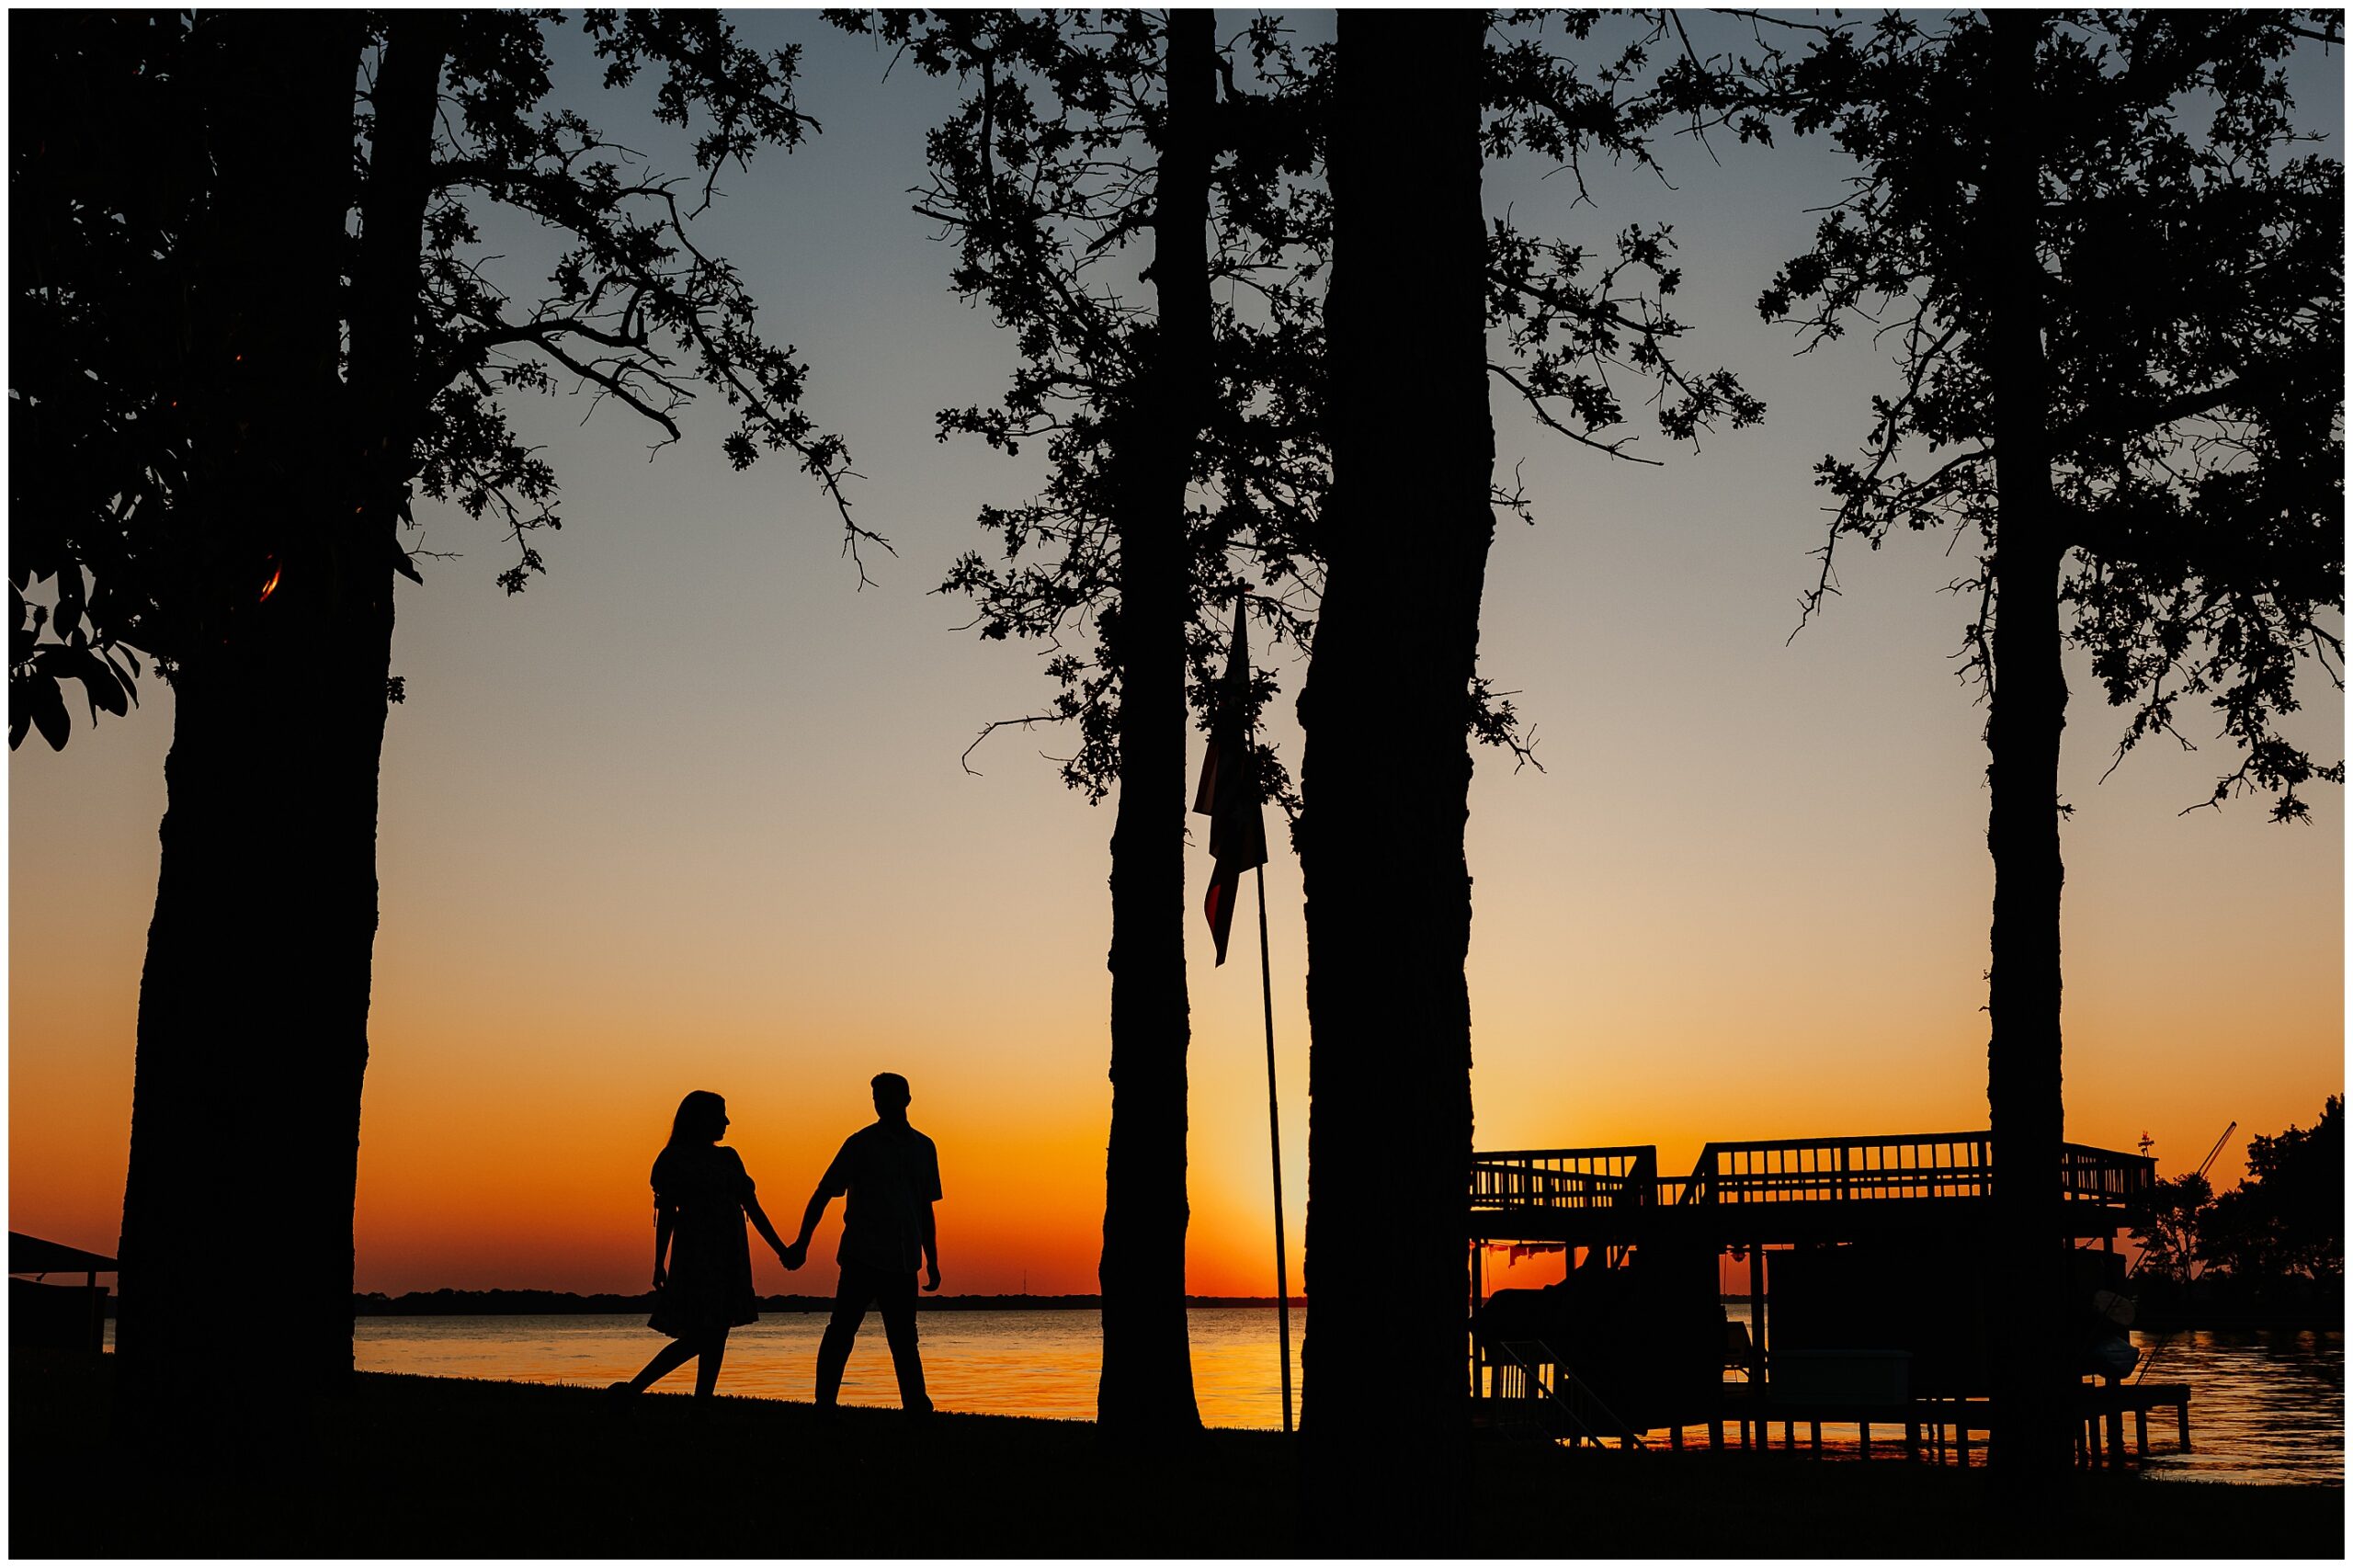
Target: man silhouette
(890,1173)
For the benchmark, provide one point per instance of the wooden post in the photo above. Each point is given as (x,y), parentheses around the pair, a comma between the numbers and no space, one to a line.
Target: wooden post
(1275,1135)
(1757,1313)
(1478,1250)
(1755,1345)
(2140,1431)
(1867,1438)
(2182,1410)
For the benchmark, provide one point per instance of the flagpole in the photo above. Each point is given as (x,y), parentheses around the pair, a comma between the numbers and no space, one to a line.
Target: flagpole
(1275,1136)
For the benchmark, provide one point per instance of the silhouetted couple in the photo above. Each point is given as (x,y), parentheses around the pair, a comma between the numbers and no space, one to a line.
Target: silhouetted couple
(702,1195)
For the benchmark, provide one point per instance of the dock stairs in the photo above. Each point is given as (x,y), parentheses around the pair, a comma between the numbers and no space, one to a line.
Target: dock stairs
(1538,1395)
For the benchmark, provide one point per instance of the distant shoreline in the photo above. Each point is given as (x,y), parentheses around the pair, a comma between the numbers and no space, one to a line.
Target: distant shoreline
(543,1303)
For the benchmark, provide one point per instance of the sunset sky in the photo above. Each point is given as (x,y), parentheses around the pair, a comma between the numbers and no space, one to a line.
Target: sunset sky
(689,814)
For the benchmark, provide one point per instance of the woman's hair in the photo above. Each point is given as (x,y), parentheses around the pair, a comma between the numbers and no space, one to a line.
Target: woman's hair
(698,1118)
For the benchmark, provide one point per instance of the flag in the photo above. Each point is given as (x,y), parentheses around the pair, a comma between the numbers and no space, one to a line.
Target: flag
(1228,795)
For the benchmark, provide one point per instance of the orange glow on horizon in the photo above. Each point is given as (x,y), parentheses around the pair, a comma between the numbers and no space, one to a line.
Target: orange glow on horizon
(525,1182)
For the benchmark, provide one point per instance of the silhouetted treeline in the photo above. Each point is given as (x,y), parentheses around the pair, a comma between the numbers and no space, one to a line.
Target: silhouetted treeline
(445,1302)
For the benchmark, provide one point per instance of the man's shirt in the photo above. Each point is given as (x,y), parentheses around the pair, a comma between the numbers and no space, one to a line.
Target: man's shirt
(891,1175)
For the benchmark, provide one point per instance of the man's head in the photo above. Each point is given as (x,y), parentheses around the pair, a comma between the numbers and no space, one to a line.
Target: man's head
(890,1095)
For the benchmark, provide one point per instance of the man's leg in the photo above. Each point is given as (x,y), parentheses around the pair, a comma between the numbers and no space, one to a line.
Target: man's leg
(833,1351)
(897,1292)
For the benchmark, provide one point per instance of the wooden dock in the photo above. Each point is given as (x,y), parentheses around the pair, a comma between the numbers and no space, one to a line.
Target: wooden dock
(1827,1211)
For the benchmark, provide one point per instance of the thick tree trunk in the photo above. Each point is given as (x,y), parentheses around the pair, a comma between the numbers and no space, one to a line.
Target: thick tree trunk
(2028,710)
(1386,776)
(1147,1387)
(254,1002)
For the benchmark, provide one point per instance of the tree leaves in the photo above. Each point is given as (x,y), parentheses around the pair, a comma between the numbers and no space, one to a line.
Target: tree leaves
(1042,177)
(37,694)
(123,522)
(2193,325)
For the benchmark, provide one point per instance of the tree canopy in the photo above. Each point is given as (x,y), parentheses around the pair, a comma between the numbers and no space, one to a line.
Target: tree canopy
(2191,279)
(113,178)
(2288,1216)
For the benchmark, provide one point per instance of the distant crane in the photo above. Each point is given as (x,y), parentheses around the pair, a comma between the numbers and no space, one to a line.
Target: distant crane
(2207,1164)
(2204,1166)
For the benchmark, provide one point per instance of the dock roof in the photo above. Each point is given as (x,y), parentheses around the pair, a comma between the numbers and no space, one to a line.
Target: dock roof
(31,1255)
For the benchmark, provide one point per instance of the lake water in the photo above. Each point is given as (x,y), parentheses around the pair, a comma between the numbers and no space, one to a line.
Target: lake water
(2267,1405)
(1005,1363)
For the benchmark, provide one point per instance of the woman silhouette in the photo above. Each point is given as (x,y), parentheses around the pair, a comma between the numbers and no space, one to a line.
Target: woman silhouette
(701,1195)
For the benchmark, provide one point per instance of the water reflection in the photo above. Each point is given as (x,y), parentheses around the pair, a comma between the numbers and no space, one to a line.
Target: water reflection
(2266,1404)
(1010,1363)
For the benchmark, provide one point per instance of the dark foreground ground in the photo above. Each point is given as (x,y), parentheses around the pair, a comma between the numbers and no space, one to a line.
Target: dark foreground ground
(425,1467)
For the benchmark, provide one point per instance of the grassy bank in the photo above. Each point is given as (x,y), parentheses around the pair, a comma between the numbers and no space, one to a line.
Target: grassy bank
(422,1467)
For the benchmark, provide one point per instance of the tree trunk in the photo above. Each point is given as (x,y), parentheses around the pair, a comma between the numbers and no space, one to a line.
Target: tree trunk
(1147,1387)
(1386,776)
(388,399)
(253,1008)
(2028,710)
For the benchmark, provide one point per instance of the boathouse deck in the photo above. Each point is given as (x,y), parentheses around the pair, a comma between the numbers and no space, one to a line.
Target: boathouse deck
(1781,1192)
(1626,1328)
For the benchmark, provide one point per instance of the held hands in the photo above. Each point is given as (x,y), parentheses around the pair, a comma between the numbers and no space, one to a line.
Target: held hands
(793,1255)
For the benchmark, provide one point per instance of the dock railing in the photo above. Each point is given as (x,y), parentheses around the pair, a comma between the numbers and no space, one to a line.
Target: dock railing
(1792,1170)
(1803,1170)
(1564,1178)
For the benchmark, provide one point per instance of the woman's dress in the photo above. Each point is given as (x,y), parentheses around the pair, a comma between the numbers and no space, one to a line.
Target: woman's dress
(708,1287)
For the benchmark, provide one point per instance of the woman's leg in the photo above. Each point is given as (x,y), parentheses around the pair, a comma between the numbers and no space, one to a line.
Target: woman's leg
(665,1360)
(712,1351)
